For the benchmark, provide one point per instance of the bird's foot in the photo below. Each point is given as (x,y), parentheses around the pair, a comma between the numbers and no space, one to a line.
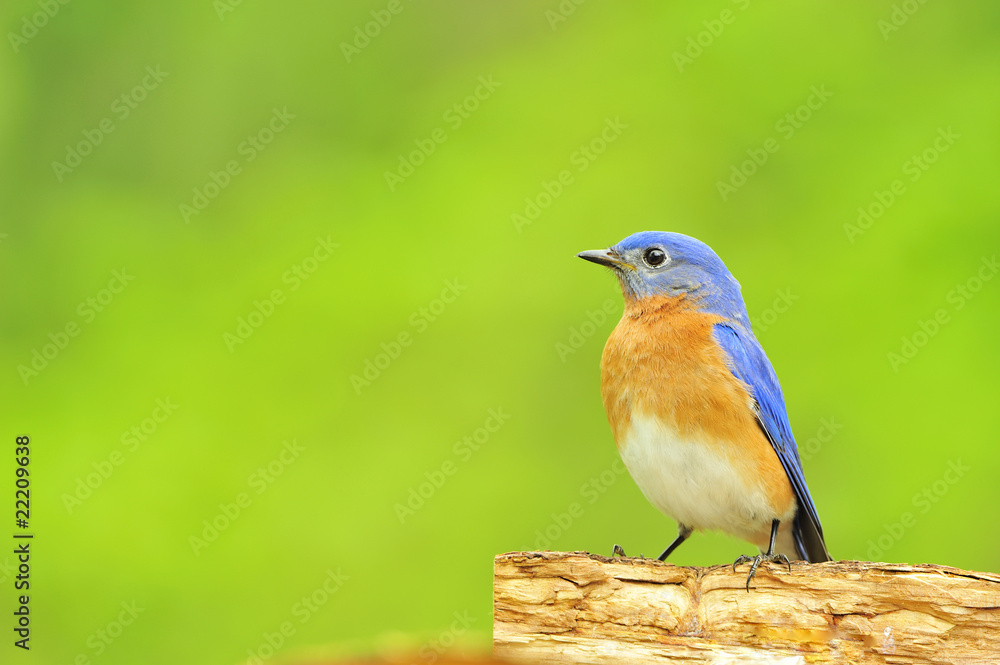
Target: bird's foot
(619,552)
(755,562)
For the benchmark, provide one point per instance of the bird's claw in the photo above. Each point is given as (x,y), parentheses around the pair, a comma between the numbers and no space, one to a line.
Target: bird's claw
(755,562)
(617,551)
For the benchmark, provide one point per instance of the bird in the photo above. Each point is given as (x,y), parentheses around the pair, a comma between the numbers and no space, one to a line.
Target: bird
(695,407)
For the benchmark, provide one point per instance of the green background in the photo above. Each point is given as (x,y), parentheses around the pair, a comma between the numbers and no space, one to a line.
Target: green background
(496,346)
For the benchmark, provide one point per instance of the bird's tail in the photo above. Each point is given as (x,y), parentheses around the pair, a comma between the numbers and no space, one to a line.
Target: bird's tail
(809,540)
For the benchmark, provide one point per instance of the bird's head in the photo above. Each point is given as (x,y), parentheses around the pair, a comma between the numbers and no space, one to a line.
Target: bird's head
(656,263)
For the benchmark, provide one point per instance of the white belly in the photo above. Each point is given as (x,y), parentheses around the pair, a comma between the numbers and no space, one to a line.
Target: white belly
(697,483)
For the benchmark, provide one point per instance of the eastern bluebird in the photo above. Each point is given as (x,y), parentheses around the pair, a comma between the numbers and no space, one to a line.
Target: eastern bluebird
(694,405)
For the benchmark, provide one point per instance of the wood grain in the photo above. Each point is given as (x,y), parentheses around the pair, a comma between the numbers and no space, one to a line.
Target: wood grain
(575,607)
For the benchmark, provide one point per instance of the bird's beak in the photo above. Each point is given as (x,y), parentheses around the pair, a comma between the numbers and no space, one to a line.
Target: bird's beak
(605,257)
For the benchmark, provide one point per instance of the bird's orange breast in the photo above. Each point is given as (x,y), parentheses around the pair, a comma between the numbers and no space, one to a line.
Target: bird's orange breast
(662,361)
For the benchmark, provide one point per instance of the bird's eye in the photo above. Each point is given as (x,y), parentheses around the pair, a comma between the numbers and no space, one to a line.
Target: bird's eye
(654,256)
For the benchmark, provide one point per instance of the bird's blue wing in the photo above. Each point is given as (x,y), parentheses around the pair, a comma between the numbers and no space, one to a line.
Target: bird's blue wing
(749,364)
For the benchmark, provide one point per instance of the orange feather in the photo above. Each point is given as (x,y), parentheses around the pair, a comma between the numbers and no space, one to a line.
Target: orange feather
(662,361)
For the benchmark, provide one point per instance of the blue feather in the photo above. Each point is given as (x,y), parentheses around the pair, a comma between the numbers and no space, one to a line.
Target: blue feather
(749,364)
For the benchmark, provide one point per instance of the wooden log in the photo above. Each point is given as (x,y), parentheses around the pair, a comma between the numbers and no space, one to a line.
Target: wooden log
(575,607)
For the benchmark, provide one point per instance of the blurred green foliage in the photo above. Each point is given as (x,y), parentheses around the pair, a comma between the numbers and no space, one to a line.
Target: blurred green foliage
(690,88)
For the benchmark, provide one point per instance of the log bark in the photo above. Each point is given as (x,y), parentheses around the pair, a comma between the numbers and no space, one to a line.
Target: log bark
(575,607)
